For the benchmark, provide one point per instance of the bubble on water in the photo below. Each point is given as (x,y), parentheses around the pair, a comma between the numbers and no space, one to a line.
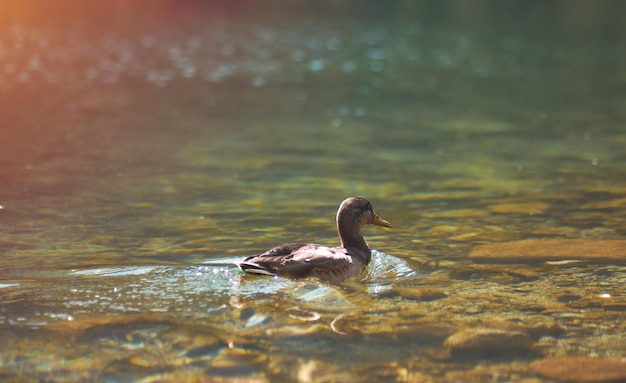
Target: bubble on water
(34,63)
(594,161)
(316,65)
(219,73)
(188,71)
(160,77)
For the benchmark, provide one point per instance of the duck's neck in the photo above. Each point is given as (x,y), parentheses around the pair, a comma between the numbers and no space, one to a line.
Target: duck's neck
(350,234)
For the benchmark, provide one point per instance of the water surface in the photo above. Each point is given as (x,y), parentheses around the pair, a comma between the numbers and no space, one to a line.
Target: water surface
(142,154)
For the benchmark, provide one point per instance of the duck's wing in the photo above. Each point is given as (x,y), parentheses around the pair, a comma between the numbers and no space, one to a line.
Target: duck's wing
(268,263)
(297,260)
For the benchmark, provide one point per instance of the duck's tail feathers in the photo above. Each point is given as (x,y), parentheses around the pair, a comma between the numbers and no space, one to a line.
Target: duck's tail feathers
(253,268)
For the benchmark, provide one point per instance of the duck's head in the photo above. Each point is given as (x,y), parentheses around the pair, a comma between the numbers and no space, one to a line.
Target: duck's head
(358,212)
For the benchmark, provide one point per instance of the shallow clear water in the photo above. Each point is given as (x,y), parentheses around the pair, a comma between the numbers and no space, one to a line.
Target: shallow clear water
(144,153)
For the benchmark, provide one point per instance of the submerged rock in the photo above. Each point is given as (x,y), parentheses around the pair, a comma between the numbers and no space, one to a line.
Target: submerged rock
(485,340)
(526,208)
(480,271)
(418,294)
(239,363)
(618,203)
(539,250)
(581,369)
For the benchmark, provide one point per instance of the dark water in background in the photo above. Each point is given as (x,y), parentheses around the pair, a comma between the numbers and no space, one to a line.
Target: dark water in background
(146,146)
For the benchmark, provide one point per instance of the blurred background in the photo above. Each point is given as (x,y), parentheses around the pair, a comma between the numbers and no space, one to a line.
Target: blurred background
(147,145)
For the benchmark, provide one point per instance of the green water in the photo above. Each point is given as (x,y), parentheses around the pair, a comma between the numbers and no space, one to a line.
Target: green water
(142,154)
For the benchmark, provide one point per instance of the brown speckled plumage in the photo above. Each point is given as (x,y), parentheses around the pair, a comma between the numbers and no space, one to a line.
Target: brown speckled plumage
(332,264)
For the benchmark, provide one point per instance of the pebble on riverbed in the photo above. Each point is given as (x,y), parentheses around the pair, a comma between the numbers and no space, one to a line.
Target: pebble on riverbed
(581,369)
(422,294)
(487,340)
(541,250)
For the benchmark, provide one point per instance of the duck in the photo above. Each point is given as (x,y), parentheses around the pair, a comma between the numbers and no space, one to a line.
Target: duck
(330,264)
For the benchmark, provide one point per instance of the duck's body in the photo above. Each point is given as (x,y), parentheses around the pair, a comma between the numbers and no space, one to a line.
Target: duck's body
(332,264)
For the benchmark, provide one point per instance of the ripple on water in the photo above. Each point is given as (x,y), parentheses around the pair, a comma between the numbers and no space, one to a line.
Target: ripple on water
(116,271)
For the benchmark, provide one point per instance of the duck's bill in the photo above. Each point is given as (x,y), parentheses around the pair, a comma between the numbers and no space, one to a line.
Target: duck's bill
(380,222)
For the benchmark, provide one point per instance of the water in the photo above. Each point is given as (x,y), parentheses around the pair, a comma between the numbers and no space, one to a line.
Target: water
(144,153)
